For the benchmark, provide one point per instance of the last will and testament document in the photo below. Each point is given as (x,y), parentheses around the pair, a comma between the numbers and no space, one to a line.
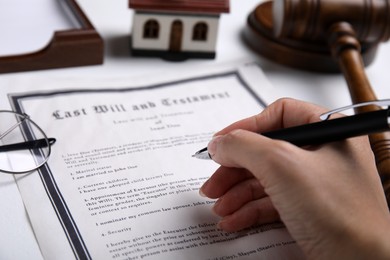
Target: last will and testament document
(121,182)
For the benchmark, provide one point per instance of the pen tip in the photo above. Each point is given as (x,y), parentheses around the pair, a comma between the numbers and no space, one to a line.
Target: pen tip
(202,154)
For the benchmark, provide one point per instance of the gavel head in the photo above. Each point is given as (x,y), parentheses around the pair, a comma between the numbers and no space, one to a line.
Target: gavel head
(311,19)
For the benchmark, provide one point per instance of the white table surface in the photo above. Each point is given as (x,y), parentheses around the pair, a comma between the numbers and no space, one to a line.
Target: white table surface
(113,21)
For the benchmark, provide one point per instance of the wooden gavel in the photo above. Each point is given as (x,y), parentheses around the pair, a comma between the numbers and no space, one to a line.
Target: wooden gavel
(343,27)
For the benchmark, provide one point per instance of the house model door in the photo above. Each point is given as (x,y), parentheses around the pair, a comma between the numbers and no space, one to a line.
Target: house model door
(176,36)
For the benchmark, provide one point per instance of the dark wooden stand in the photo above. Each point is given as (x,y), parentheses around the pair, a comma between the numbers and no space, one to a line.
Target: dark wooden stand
(342,52)
(306,55)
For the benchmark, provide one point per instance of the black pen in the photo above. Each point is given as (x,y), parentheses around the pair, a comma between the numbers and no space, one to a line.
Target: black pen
(328,130)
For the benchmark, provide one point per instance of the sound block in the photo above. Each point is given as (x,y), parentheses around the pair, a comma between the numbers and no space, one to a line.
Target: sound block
(304,55)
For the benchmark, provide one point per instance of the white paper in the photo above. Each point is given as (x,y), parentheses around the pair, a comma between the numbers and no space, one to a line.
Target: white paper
(121,182)
(28,26)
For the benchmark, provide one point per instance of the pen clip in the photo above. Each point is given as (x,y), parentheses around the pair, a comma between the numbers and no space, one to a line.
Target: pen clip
(381,103)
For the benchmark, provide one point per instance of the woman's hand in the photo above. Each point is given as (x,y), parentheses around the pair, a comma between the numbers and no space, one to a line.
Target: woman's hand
(329,197)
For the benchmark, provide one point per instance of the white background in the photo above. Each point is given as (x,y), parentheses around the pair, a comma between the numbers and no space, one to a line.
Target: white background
(113,20)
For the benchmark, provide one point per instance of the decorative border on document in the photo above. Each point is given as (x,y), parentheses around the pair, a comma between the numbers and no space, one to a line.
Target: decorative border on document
(64,215)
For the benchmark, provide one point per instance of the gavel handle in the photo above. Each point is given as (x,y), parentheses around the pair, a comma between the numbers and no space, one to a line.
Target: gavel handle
(346,49)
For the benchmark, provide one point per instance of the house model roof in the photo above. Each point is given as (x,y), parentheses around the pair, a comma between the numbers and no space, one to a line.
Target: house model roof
(188,6)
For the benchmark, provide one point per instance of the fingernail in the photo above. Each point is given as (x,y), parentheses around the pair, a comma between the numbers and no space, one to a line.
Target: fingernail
(201,193)
(215,206)
(219,224)
(212,146)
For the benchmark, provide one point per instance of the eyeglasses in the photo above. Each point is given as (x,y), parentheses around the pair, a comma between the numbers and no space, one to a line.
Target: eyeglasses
(24,146)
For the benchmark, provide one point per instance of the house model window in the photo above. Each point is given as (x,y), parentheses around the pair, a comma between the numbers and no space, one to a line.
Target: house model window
(151,29)
(176,30)
(200,32)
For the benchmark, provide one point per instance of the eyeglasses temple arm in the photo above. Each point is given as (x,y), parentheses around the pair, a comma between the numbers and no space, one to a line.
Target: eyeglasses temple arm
(12,128)
(40,143)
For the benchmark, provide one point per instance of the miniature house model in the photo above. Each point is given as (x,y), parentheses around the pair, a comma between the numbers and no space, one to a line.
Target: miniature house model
(176,29)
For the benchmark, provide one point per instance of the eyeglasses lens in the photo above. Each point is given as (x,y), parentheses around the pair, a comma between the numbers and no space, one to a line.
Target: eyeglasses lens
(15,131)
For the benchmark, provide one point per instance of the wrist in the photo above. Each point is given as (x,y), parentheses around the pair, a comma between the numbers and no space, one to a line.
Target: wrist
(381,250)
(365,240)
(372,241)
